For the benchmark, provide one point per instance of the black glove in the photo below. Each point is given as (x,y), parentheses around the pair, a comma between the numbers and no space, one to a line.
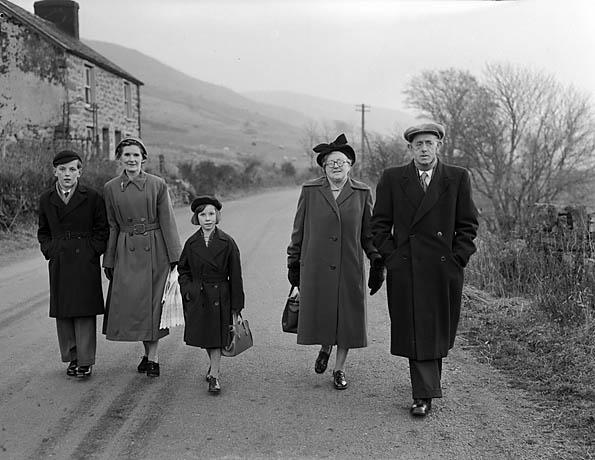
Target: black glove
(376,261)
(109,273)
(375,279)
(173,265)
(293,275)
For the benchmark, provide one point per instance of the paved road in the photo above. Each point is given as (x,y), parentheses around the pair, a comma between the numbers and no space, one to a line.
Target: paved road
(272,403)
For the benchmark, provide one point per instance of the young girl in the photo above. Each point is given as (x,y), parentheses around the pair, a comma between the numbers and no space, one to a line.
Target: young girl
(211,284)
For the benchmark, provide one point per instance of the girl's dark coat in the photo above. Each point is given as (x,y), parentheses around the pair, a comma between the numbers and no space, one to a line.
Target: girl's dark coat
(72,237)
(425,240)
(211,286)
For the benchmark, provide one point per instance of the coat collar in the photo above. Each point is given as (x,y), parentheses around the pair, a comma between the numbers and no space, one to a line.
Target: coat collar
(209,253)
(139,181)
(425,201)
(348,189)
(79,196)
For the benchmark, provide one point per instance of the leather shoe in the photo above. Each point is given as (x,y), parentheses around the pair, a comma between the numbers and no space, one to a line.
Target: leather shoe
(142,366)
(83,371)
(208,374)
(214,386)
(152,369)
(321,362)
(71,369)
(339,380)
(421,407)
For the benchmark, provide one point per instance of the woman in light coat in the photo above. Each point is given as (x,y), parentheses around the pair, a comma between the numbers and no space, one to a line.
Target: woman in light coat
(331,232)
(143,247)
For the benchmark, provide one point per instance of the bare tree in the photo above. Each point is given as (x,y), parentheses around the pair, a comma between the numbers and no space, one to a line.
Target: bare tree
(525,137)
(384,153)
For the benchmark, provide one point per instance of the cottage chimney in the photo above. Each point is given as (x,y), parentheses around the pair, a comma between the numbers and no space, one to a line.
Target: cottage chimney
(63,13)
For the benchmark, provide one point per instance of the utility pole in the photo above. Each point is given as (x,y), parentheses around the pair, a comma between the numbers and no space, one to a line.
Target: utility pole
(363,108)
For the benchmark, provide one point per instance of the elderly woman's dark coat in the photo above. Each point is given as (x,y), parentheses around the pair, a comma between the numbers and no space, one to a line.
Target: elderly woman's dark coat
(72,237)
(425,240)
(328,242)
(211,285)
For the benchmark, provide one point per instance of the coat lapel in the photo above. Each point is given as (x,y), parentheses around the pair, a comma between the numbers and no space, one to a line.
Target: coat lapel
(345,193)
(325,189)
(209,253)
(411,186)
(438,185)
(78,198)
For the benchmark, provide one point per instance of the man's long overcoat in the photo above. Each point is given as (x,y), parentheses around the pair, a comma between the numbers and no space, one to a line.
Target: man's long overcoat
(141,260)
(426,241)
(328,241)
(72,237)
(211,286)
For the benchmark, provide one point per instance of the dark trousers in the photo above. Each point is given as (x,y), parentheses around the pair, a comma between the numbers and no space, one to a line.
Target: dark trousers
(425,378)
(77,338)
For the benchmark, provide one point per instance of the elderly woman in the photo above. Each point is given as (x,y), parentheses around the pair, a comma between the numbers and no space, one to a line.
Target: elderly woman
(331,232)
(143,247)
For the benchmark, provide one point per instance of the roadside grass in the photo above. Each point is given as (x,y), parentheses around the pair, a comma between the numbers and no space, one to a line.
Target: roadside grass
(532,315)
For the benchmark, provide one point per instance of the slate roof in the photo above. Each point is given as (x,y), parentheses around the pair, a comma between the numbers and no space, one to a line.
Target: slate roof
(62,39)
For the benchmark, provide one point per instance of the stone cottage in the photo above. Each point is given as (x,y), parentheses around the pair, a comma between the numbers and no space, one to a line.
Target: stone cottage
(54,86)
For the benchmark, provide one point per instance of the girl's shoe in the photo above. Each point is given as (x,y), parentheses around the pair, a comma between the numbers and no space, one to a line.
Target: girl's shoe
(83,371)
(71,369)
(214,386)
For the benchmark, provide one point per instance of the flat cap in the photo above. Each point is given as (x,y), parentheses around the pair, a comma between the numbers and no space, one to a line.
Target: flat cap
(426,128)
(131,140)
(338,145)
(65,156)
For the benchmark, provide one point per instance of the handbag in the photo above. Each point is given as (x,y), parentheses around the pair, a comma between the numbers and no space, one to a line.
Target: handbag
(289,320)
(241,337)
(172,311)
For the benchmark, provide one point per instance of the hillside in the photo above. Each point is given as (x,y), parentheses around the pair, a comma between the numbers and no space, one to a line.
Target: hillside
(381,120)
(183,116)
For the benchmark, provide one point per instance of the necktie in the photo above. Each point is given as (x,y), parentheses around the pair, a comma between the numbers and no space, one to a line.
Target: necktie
(424,180)
(66,194)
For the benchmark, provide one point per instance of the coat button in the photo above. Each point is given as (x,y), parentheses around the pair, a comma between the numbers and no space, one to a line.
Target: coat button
(77,250)
(333,267)
(443,259)
(216,304)
(142,219)
(334,238)
(412,235)
(147,248)
(132,248)
(439,234)
(130,219)
(215,286)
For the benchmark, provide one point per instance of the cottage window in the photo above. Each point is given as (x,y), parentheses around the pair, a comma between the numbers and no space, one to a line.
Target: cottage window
(127,99)
(89,85)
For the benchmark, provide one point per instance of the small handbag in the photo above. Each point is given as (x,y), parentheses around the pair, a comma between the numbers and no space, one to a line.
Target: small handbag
(172,311)
(289,320)
(241,337)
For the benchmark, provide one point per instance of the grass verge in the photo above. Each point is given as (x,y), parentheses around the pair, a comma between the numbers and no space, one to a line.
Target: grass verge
(555,364)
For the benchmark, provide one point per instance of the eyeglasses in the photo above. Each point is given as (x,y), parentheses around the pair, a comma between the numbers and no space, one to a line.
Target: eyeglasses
(420,144)
(336,163)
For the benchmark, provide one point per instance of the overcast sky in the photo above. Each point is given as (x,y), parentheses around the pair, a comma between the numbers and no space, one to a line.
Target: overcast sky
(350,51)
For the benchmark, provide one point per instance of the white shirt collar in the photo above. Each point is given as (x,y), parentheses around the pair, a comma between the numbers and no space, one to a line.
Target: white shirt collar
(429,172)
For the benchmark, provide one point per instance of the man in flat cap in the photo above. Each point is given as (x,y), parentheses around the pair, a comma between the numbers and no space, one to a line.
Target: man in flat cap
(73,233)
(424,223)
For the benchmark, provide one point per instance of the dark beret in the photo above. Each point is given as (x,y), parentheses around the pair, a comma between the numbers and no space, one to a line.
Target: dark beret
(426,128)
(65,156)
(338,145)
(131,140)
(206,199)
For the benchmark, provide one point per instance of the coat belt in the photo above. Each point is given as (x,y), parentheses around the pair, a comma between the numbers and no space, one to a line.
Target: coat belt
(73,236)
(139,229)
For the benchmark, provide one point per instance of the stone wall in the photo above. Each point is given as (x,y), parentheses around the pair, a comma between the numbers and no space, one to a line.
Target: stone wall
(42,94)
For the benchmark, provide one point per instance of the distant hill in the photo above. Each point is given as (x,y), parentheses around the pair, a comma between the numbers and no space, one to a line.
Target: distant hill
(183,116)
(381,120)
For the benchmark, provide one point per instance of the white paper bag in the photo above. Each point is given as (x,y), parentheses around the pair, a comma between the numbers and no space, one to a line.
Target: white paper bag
(172,311)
